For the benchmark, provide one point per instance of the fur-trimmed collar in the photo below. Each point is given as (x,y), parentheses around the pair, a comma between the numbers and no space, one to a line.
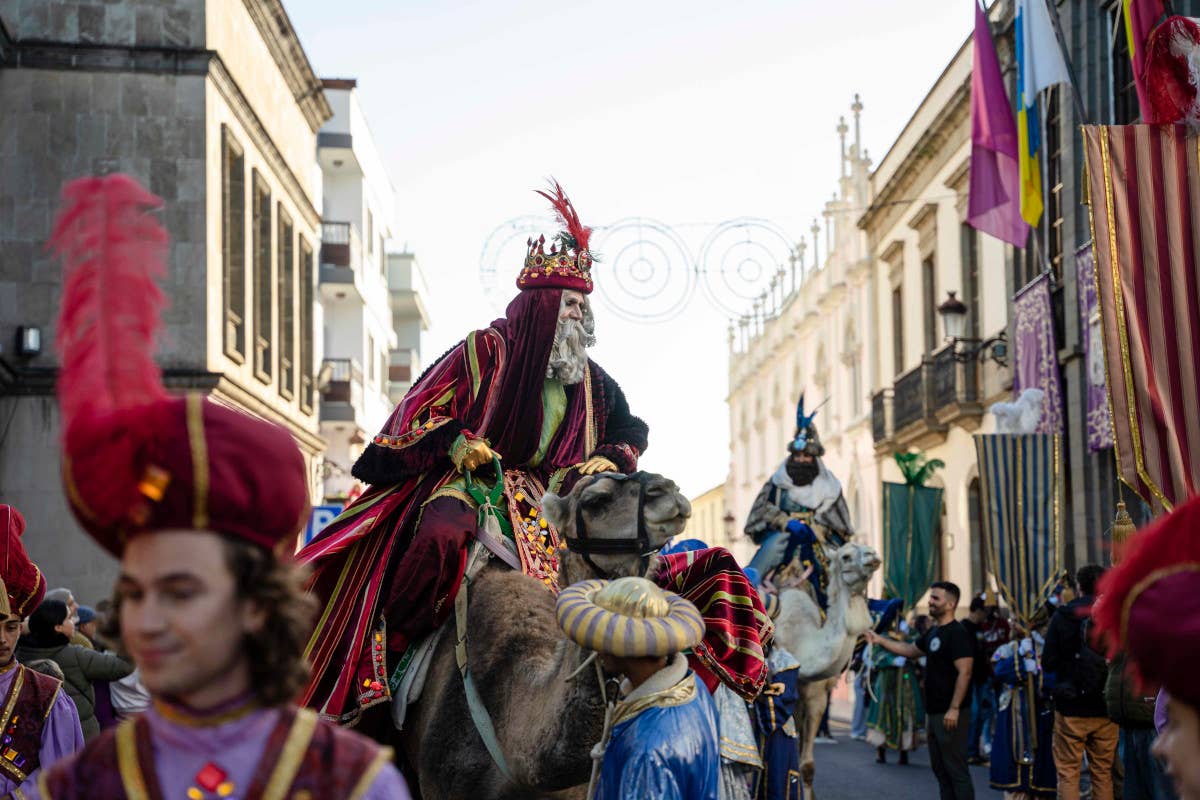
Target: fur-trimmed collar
(820,495)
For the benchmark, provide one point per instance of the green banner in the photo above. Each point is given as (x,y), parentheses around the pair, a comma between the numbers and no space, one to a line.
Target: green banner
(911,516)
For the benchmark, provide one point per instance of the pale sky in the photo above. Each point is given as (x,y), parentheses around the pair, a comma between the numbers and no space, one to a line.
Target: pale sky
(690,113)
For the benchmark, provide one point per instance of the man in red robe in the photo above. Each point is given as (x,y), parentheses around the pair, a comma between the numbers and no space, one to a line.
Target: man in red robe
(514,410)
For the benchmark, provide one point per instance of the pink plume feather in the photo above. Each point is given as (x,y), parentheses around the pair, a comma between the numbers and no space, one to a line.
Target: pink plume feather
(567,216)
(114,253)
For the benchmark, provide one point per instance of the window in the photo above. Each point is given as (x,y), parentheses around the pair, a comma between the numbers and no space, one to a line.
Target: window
(383,370)
(898,330)
(306,326)
(287,306)
(233,245)
(970,278)
(1053,159)
(929,289)
(370,359)
(263,316)
(976,532)
(382,258)
(1125,99)
(370,232)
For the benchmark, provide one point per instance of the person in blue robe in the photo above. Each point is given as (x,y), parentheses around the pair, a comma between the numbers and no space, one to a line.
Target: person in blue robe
(773,713)
(1022,758)
(663,738)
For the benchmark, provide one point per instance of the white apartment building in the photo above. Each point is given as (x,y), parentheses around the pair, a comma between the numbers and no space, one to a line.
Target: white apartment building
(373,311)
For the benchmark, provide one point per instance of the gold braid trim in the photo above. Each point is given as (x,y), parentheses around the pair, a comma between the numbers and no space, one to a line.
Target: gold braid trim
(289,757)
(679,694)
(382,759)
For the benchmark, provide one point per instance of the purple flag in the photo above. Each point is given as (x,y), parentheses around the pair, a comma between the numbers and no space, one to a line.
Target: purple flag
(1035,352)
(1099,421)
(994,204)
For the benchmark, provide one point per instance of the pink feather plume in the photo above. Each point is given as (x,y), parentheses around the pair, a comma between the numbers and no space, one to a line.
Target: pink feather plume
(567,216)
(114,252)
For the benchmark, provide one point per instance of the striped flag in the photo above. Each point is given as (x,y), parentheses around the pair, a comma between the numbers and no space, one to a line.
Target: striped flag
(1020,477)
(1040,64)
(1144,184)
(1140,17)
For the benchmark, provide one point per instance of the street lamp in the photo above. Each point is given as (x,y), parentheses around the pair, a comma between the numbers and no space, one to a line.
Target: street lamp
(965,348)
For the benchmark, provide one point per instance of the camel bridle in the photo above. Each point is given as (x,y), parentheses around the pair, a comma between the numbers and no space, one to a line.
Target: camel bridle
(587,546)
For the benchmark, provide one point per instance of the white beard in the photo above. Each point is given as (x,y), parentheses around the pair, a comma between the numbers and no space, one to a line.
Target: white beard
(568,356)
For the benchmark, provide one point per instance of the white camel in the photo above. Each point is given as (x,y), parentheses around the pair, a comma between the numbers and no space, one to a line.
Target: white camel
(824,647)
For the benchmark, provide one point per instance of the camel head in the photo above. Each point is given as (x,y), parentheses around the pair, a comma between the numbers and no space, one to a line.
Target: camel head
(853,565)
(607,506)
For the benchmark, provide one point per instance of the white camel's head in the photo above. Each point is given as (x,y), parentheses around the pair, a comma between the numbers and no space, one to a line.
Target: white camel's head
(853,565)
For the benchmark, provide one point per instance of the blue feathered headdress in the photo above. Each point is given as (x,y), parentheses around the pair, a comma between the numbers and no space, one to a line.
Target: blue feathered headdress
(806,440)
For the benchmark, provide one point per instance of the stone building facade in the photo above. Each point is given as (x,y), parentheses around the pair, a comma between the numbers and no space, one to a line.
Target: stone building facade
(214,106)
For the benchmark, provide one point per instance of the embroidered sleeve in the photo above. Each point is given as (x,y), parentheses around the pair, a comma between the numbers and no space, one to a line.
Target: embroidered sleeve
(438,409)
(764,517)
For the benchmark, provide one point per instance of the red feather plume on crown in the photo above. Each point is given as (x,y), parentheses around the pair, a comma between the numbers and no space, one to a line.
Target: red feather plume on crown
(568,265)
(113,253)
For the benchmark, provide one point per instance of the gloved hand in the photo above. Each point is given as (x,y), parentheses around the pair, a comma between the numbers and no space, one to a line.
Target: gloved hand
(596,465)
(901,661)
(1031,666)
(806,534)
(471,454)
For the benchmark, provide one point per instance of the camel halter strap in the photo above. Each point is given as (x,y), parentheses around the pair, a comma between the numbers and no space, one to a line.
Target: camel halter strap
(587,546)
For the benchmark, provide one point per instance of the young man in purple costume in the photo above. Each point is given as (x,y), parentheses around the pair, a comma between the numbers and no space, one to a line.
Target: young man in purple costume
(201,503)
(38,722)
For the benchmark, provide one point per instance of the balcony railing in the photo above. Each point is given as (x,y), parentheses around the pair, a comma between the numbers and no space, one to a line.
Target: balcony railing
(342,396)
(909,398)
(955,386)
(341,252)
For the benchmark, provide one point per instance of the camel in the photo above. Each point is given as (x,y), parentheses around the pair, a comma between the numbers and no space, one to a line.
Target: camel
(824,649)
(547,712)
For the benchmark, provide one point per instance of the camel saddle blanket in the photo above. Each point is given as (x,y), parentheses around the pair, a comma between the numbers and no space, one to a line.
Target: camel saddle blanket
(736,626)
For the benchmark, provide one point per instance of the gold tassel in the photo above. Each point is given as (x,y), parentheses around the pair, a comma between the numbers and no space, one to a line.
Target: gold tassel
(1122,529)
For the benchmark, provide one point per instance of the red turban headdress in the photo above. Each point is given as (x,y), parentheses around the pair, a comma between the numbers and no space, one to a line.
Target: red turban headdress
(135,457)
(23,585)
(1149,604)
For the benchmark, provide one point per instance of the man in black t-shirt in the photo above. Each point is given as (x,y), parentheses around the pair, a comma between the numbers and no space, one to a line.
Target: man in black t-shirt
(949,657)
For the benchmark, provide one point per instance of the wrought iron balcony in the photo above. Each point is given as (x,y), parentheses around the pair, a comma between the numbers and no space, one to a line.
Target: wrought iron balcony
(956,388)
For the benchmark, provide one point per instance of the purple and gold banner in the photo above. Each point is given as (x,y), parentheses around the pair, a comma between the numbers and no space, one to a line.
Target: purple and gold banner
(1035,353)
(1099,420)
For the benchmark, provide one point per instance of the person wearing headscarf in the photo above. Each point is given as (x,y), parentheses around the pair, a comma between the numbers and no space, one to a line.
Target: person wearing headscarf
(663,737)
(38,721)
(201,503)
(512,411)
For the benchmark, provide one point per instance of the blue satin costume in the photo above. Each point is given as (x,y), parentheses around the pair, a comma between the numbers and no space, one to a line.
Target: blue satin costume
(772,711)
(1022,758)
(664,752)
